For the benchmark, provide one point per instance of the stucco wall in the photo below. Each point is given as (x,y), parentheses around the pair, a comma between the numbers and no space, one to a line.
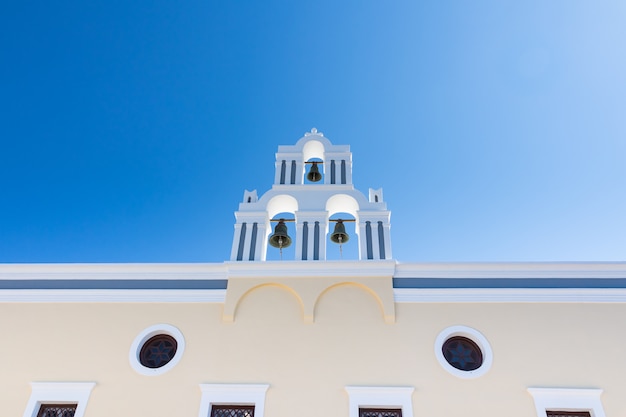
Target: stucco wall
(308,365)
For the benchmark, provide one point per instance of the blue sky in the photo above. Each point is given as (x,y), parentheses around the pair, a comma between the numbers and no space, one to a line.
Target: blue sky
(129,130)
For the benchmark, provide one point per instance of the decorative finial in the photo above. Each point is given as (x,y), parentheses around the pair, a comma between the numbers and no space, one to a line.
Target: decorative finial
(313,132)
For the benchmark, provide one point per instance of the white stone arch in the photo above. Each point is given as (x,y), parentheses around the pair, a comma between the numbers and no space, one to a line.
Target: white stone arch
(314,135)
(282,203)
(342,203)
(313,149)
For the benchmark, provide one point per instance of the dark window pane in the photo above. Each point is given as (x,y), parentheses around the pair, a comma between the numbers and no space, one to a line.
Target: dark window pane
(462,353)
(158,351)
(568,413)
(380,412)
(232,411)
(57,410)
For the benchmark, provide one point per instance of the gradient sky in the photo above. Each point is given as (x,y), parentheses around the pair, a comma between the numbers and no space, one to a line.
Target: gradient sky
(130,129)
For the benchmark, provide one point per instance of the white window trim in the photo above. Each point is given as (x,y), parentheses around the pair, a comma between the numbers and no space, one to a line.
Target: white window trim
(380,397)
(235,394)
(135,348)
(567,399)
(477,338)
(58,393)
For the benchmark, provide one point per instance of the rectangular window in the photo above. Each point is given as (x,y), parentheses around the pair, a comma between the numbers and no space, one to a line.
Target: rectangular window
(232,411)
(232,400)
(381,401)
(567,402)
(380,412)
(57,410)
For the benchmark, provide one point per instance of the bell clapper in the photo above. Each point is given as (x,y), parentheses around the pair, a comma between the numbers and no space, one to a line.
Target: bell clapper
(340,247)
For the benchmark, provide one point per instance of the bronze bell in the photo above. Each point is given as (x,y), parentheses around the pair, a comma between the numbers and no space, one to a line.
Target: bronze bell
(314,173)
(280,239)
(339,235)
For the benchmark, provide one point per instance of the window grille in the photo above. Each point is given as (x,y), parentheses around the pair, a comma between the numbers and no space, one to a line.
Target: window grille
(57,410)
(380,412)
(158,351)
(568,413)
(232,411)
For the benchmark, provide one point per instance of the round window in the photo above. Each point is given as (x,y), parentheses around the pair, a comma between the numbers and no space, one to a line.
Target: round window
(158,351)
(462,353)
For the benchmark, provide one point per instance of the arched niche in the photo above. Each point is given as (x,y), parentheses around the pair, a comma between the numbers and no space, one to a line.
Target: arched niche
(366,297)
(278,297)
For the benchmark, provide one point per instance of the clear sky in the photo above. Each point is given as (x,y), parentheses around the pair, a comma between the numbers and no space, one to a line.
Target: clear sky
(130,129)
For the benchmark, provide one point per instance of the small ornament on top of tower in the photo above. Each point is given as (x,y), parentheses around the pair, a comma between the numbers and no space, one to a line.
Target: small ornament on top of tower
(313,132)
(308,200)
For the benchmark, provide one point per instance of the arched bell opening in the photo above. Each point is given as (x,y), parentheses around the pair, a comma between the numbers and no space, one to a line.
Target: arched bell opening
(281,242)
(314,171)
(342,240)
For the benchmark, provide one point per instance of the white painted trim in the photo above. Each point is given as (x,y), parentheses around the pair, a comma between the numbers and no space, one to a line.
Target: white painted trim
(380,397)
(477,338)
(567,399)
(296,269)
(58,393)
(390,267)
(510,295)
(115,271)
(143,336)
(511,270)
(112,296)
(235,394)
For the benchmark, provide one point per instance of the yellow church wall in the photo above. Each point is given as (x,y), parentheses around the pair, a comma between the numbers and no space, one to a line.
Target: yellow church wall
(307,365)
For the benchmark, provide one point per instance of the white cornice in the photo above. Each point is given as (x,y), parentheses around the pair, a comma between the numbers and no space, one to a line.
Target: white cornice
(195,271)
(354,268)
(512,270)
(332,188)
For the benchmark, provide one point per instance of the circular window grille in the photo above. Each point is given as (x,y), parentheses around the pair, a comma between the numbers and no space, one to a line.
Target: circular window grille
(158,351)
(462,353)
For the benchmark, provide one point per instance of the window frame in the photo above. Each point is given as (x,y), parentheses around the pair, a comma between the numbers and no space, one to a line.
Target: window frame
(232,394)
(145,335)
(475,336)
(58,393)
(380,397)
(567,399)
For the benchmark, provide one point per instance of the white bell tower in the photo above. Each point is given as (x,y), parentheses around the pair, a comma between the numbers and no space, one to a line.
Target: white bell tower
(313,200)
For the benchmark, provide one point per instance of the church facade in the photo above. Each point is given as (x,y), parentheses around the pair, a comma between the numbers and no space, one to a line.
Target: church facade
(313,316)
